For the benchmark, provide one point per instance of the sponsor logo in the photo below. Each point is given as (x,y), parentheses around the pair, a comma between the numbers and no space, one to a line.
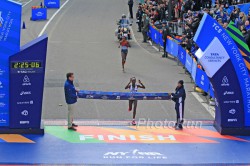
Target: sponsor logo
(25,102)
(172,46)
(2,121)
(228,93)
(118,97)
(225,81)
(1,85)
(25,93)
(39,14)
(1,72)
(134,154)
(232,102)
(26,81)
(24,122)
(232,111)
(2,95)
(216,102)
(104,97)
(155,36)
(51,3)
(1,19)
(158,98)
(202,79)
(145,98)
(232,120)
(182,55)
(25,113)
(89,97)
(2,105)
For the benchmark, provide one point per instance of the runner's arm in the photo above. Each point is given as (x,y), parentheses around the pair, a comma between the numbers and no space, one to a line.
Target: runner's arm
(141,86)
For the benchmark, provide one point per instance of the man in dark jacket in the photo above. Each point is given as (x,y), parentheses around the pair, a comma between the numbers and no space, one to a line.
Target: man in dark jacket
(165,34)
(130,5)
(145,28)
(71,99)
(139,17)
(179,98)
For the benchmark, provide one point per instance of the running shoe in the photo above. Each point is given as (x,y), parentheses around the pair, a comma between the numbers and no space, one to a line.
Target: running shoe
(133,123)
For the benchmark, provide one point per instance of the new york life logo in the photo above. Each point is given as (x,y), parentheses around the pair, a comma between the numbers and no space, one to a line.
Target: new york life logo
(51,3)
(1,19)
(134,154)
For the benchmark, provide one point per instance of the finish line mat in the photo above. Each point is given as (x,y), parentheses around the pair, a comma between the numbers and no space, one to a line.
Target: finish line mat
(124,145)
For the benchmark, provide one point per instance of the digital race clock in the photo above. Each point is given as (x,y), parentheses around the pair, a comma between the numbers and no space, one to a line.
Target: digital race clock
(26,65)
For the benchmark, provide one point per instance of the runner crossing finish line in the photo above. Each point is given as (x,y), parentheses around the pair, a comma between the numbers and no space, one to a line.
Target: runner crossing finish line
(123,95)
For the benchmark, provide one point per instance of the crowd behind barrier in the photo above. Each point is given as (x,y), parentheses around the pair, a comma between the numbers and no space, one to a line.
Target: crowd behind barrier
(199,77)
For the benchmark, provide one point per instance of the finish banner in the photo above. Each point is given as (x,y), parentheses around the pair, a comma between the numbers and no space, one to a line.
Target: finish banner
(10,30)
(225,67)
(123,95)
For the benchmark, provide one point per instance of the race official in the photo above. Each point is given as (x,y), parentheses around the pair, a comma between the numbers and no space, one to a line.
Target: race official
(71,99)
(130,5)
(139,15)
(145,28)
(179,98)
(165,34)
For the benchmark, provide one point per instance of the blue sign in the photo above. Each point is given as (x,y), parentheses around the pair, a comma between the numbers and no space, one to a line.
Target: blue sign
(10,27)
(189,63)
(27,69)
(194,68)
(172,47)
(52,3)
(155,35)
(228,74)
(211,90)
(122,95)
(202,80)
(39,14)
(182,55)
(243,8)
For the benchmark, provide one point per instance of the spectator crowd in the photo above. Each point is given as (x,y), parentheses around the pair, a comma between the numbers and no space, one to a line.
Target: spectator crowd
(186,14)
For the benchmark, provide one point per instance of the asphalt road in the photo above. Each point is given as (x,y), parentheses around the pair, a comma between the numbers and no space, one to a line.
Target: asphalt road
(81,40)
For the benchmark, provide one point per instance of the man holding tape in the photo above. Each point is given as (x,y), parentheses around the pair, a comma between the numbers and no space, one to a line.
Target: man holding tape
(71,99)
(179,98)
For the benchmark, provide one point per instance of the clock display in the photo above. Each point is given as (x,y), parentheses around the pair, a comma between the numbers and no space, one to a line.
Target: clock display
(26,65)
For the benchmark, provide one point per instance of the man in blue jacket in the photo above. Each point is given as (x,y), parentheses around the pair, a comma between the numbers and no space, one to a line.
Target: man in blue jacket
(71,99)
(179,98)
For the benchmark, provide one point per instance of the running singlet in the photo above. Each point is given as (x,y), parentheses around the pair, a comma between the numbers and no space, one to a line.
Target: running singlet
(133,89)
(124,45)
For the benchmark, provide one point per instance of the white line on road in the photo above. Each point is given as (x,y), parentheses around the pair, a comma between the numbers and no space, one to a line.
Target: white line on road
(45,27)
(27,3)
(205,105)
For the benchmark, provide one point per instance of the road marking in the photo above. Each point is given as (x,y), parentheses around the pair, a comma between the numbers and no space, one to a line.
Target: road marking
(26,3)
(45,27)
(205,105)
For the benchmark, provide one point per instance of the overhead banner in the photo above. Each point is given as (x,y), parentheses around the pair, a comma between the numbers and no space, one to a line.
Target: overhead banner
(27,70)
(225,67)
(122,95)
(10,30)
